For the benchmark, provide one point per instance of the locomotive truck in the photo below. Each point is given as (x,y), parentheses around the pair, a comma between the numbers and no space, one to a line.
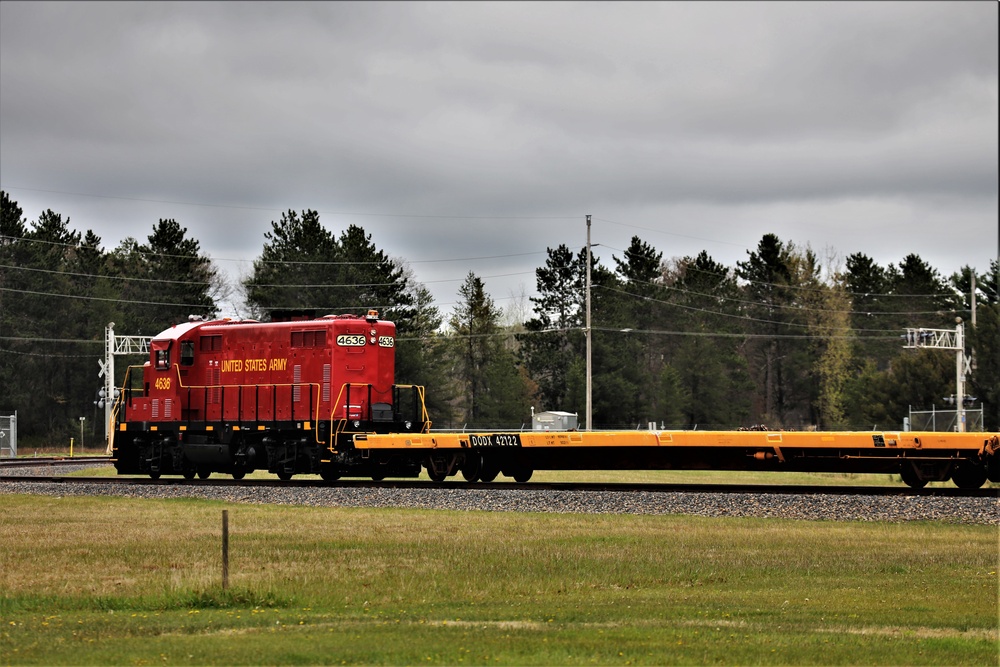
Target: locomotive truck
(318,396)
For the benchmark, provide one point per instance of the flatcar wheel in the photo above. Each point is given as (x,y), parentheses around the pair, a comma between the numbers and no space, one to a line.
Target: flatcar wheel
(188,474)
(522,475)
(284,476)
(435,476)
(472,468)
(238,474)
(910,476)
(488,472)
(204,474)
(328,475)
(969,475)
(154,475)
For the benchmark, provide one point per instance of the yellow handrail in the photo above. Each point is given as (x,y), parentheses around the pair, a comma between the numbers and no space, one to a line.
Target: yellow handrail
(421,393)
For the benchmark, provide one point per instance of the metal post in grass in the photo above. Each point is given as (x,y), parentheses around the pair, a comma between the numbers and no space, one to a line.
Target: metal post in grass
(225,549)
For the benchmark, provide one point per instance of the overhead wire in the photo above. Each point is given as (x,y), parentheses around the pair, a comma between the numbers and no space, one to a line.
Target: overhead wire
(286,262)
(791,306)
(282,210)
(745,318)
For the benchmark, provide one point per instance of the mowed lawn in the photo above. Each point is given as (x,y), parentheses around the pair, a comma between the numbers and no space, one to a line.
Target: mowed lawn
(138,582)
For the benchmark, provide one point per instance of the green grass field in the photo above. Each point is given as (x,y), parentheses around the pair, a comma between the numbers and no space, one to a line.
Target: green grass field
(137,582)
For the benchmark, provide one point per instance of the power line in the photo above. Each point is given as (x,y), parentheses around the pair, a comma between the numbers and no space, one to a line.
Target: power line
(17,339)
(790,306)
(101,298)
(279,210)
(721,334)
(283,262)
(106,277)
(660,231)
(738,317)
(49,355)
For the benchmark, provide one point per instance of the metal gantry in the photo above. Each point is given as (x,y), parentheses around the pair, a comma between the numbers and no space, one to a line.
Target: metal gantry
(946,339)
(116,346)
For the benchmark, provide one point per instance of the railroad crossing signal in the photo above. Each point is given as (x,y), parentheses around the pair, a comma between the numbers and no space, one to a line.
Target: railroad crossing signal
(116,345)
(946,339)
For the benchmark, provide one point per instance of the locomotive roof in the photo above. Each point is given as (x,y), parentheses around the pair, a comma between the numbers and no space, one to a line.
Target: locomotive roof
(178,330)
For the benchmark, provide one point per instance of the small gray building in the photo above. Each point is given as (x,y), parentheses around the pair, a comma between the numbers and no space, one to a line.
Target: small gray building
(553,421)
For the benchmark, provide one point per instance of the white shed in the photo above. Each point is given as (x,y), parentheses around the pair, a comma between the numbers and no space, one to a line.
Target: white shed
(553,421)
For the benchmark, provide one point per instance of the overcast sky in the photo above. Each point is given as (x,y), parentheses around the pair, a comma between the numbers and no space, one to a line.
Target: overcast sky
(471,136)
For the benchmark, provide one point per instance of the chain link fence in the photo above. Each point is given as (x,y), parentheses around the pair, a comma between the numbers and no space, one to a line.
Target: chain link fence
(8,435)
(944,420)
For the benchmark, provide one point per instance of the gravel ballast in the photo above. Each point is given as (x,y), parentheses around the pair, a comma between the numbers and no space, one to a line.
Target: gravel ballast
(816,507)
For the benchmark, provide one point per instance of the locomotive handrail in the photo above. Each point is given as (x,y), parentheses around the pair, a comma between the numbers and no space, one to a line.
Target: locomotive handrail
(420,392)
(342,423)
(425,418)
(118,402)
(275,385)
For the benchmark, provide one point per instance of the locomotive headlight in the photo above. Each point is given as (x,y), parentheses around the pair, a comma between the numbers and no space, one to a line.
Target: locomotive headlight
(408,425)
(371,333)
(357,424)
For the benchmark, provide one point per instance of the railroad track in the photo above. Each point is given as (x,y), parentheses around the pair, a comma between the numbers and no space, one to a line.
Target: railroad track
(727,489)
(50,461)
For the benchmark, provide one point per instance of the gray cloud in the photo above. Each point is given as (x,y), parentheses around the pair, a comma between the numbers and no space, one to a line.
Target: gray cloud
(864,126)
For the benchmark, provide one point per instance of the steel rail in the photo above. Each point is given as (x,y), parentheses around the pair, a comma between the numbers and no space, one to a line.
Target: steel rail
(49,461)
(590,487)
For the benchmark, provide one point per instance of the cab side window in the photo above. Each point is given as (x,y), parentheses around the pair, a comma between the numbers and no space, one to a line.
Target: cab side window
(163,359)
(187,352)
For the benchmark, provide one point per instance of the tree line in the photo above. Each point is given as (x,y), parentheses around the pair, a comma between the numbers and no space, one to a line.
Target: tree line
(782,338)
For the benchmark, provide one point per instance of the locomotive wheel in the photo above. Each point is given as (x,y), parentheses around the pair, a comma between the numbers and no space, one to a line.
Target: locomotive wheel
(910,476)
(968,475)
(154,475)
(204,474)
(328,475)
(189,473)
(238,474)
(284,476)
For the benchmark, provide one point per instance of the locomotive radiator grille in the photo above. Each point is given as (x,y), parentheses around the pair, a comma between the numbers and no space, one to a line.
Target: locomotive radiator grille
(326,383)
(214,394)
(296,379)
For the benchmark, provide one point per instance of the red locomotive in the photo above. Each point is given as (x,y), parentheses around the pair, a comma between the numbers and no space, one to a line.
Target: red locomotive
(236,396)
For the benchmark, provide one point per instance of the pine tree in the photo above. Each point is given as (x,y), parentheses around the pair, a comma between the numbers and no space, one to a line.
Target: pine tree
(494,392)
(554,336)
(706,352)
(768,274)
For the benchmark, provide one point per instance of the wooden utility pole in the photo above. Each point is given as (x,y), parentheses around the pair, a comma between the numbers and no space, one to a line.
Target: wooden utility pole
(588,419)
